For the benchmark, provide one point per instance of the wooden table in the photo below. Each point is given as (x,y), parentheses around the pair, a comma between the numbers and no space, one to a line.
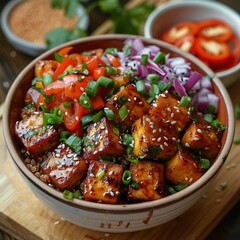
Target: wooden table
(22,216)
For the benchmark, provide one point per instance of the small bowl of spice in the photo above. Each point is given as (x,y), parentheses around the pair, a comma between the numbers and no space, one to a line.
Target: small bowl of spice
(26,23)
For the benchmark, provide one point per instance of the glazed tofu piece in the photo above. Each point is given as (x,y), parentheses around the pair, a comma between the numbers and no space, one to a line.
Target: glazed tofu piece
(102,141)
(103,182)
(64,168)
(130,99)
(149,177)
(182,169)
(168,107)
(154,139)
(202,138)
(31,133)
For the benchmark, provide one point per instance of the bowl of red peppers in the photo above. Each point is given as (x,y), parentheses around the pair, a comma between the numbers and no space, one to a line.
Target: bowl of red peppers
(207,29)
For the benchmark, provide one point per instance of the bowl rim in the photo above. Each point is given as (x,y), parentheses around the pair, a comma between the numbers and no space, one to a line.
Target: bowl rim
(119,208)
(199,3)
(81,12)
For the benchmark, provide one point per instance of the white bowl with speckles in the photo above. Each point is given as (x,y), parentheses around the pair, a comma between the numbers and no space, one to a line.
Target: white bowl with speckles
(121,217)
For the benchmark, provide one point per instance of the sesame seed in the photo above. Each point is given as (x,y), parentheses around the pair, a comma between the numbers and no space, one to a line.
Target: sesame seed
(91,175)
(165,138)
(115,98)
(135,98)
(172,115)
(169,109)
(187,145)
(57,155)
(147,119)
(140,103)
(199,130)
(154,104)
(159,139)
(82,89)
(173,123)
(154,131)
(153,139)
(166,144)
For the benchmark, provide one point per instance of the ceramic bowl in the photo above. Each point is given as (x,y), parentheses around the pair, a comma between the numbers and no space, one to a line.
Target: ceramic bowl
(174,12)
(107,217)
(30,48)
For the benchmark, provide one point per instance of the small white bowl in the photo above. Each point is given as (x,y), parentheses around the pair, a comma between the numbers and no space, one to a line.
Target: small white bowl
(174,12)
(32,49)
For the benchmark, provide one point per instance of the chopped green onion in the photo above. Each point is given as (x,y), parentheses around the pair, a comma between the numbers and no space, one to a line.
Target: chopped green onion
(64,135)
(185,100)
(105,82)
(111,71)
(107,158)
(47,79)
(116,130)
(237,111)
(144,59)
(171,190)
(35,80)
(96,117)
(109,114)
(132,159)
(100,174)
(75,143)
(141,88)
(78,194)
(84,69)
(153,78)
(123,112)
(65,73)
(126,177)
(67,104)
(134,185)
(160,58)
(180,187)
(87,118)
(112,51)
(208,117)
(163,86)
(154,91)
(52,118)
(92,88)
(122,99)
(217,124)
(58,57)
(85,101)
(127,50)
(127,139)
(204,163)
(29,106)
(68,195)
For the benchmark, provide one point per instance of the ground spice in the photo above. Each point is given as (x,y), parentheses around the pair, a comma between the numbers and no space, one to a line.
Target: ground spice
(31,20)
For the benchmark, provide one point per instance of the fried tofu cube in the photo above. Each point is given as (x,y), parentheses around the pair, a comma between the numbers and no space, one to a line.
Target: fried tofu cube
(201,137)
(149,177)
(64,167)
(101,140)
(182,169)
(31,133)
(154,139)
(168,107)
(103,182)
(128,98)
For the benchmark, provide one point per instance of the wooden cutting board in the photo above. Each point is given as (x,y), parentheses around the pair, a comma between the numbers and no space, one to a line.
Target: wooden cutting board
(23,216)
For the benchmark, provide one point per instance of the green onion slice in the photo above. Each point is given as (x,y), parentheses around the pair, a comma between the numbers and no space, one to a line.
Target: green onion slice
(96,117)
(141,88)
(204,163)
(126,177)
(144,59)
(47,79)
(85,101)
(92,88)
(160,58)
(109,114)
(105,82)
(100,174)
(75,143)
(111,71)
(185,100)
(68,195)
(123,112)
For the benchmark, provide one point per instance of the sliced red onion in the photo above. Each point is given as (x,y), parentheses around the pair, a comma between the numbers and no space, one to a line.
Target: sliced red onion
(203,103)
(193,79)
(138,44)
(154,49)
(203,92)
(142,70)
(213,101)
(155,67)
(172,62)
(179,88)
(206,83)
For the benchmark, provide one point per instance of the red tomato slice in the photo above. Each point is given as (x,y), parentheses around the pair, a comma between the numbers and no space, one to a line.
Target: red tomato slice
(215,29)
(178,31)
(64,64)
(73,87)
(99,72)
(214,53)
(92,64)
(54,88)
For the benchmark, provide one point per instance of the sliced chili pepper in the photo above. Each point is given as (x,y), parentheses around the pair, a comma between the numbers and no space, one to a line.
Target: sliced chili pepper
(178,31)
(92,64)
(64,64)
(186,43)
(72,120)
(215,29)
(113,60)
(214,53)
